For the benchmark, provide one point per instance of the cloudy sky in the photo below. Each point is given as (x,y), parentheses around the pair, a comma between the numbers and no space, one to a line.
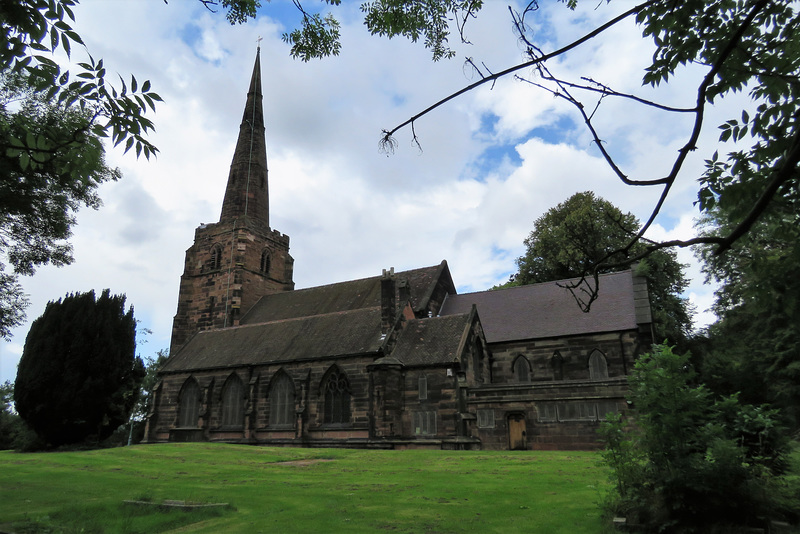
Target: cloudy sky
(492,161)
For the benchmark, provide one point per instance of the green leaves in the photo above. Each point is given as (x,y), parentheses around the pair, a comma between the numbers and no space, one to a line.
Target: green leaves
(586,232)
(689,459)
(428,19)
(42,26)
(317,37)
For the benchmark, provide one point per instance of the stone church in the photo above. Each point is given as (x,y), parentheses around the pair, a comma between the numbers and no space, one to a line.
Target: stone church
(398,360)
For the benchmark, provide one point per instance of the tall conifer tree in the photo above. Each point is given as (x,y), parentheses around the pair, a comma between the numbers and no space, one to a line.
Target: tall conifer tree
(79,376)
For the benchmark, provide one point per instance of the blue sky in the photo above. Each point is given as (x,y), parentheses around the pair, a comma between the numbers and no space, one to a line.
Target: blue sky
(492,161)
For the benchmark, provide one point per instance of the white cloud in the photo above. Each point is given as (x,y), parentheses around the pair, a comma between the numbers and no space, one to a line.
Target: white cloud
(349,209)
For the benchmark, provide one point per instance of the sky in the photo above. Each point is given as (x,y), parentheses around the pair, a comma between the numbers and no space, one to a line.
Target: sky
(491,161)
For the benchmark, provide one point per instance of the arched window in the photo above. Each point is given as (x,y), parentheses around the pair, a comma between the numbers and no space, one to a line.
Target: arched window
(233,402)
(189,404)
(336,390)
(557,362)
(265,261)
(598,367)
(216,258)
(281,400)
(522,370)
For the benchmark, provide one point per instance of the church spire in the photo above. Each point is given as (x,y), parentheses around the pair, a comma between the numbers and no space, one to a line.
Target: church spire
(247,193)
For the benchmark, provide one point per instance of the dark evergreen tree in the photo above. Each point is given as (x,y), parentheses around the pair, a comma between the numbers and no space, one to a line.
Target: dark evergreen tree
(571,239)
(79,377)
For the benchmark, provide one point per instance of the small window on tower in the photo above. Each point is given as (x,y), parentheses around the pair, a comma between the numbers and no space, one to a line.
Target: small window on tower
(216,257)
(265,261)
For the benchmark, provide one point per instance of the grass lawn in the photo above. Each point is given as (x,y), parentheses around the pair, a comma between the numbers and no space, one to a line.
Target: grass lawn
(301,490)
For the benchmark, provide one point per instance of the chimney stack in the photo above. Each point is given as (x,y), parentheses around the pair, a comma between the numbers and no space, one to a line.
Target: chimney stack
(388,305)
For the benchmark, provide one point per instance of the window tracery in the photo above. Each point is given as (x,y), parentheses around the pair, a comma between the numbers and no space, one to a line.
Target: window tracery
(336,403)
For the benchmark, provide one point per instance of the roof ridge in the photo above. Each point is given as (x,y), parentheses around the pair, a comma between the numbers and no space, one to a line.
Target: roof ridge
(376,277)
(304,317)
(539,284)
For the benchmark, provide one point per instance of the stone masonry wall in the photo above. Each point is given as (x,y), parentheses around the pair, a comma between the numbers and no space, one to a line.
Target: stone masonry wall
(223,276)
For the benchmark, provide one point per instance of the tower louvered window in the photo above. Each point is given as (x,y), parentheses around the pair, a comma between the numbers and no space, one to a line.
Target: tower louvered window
(337,398)
(423,387)
(216,258)
(265,261)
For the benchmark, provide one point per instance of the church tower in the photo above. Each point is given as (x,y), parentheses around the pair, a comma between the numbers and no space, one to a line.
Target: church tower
(239,259)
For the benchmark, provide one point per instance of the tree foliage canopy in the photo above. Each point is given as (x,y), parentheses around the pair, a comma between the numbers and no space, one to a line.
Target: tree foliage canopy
(39,200)
(78,375)
(755,345)
(694,462)
(52,126)
(145,399)
(571,238)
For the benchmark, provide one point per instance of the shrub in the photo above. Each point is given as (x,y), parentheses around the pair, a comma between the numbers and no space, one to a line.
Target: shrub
(689,462)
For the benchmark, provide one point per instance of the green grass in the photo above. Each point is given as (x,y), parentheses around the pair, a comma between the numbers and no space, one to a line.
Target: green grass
(320,490)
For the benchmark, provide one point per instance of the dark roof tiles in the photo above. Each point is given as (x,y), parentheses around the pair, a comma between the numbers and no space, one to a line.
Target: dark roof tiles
(548,310)
(315,337)
(350,295)
(432,340)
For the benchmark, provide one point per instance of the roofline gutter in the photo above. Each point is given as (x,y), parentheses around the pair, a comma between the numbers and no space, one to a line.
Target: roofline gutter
(371,354)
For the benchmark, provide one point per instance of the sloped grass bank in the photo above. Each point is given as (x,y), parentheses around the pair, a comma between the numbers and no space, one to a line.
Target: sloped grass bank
(301,490)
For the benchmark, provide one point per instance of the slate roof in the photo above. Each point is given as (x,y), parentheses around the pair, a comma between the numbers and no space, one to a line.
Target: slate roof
(350,295)
(432,340)
(307,324)
(314,337)
(547,310)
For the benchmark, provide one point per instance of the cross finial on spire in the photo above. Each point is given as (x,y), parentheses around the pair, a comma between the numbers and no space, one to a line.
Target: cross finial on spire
(258,42)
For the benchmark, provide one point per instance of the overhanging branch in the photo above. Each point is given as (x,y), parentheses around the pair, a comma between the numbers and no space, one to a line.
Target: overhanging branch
(386,135)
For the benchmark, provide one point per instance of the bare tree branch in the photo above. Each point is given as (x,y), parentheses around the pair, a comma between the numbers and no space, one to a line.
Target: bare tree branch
(597,31)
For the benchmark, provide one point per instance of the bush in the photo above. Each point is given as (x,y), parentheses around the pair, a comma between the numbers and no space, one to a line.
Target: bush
(78,377)
(688,462)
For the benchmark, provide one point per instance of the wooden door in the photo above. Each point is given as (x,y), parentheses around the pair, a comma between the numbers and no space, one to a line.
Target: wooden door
(517,432)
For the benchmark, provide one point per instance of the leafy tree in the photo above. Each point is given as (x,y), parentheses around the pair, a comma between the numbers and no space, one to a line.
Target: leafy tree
(754,347)
(571,238)
(78,376)
(38,202)
(690,462)
(144,400)
(52,124)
